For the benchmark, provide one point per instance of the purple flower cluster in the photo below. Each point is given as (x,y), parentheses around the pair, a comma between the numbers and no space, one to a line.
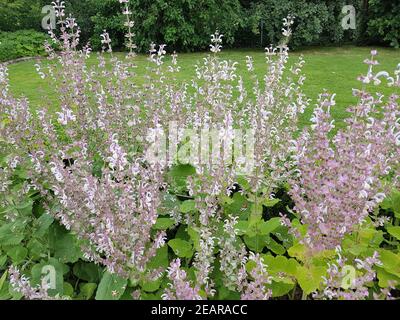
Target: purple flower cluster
(180,288)
(343,285)
(20,284)
(341,180)
(88,153)
(255,289)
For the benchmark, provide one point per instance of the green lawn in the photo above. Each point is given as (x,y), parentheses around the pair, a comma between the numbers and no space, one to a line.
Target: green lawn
(334,69)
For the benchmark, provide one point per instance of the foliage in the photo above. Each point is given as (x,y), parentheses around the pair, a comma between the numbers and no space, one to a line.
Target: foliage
(384,22)
(21,14)
(186,25)
(181,25)
(317,22)
(116,218)
(26,43)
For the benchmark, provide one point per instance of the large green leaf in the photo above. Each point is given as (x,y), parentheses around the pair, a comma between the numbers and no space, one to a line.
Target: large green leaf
(310,279)
(179,174)
(280,264)
(181,248)
(188,206)
(87,290)
(392,203)
(12,233)
(17,254)
(385,278)
(256,243)
(163,223)
(390,261)
(64,244)
(160,260)
(3,280)
(42,224)
(87,271)
(266,227)
(280,289)
(394,231)
(111,287)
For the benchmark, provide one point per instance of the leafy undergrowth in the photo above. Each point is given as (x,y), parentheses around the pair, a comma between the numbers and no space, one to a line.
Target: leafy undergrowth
(97,203)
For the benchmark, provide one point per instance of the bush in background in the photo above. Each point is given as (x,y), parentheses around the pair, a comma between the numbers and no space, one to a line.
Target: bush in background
(185,25)
(317,22)
(21,14)
(384,22)
(23,43)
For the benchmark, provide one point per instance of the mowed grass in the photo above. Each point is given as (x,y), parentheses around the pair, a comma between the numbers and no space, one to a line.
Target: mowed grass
(331,68)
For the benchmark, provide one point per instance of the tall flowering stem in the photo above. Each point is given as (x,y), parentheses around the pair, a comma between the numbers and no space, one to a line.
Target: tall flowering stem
(179,287)
(341,181)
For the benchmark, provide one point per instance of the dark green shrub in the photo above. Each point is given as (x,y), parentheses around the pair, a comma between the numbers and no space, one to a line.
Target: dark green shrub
(183,25)
(21,14)
(384,22)
(317,22)
(23,43)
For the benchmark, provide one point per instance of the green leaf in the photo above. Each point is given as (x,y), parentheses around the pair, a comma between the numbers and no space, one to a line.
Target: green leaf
(17,254)
(178,174)
(163,223)
(37,249)
(87,271)
(194,236)
(182,233)
(3,279)
(188,206)
(181,248)
(242,227)
(64,244)
(270,202)
(151,286)
(280,289)
(87,290)
(390,261)
(394,231)
(267,227)
(280,264)
(256,211)
(244,184)
(111,287)
(256,243)
(385,277)
(274,246)
(226,294)
(68,289)
(3,260)
(160,260)
(42,224)
(298,251)
(392,203)
(11,234)
(310,278)
(25,208)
